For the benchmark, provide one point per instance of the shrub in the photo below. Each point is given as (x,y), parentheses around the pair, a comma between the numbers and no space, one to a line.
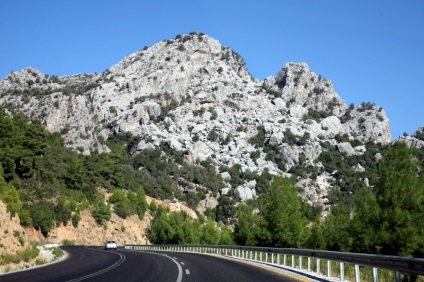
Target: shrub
(101,211)
(259,139)
(25,255)
(67,242)
(57,252)
(213,135)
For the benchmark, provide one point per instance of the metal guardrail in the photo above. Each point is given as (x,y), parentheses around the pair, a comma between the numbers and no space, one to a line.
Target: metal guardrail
(273,256)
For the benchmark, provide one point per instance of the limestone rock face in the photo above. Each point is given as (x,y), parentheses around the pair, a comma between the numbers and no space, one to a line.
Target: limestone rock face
(198,97)
(416,141)
(346,148)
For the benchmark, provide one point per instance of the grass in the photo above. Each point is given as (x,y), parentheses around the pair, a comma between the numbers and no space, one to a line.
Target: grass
(57,252)
(40,261)
(26,255)
(68,242)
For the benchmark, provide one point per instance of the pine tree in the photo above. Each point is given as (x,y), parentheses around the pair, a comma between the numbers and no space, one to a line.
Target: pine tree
(282,210)
(400,196)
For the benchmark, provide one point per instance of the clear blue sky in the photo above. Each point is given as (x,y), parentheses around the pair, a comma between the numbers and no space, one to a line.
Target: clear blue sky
(371,50)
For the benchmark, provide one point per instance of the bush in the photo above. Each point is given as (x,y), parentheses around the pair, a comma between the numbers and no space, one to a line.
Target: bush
(57,252)
(42,216)
(101,211)
(67,242)
(76,218)
(259,139)
(25,255)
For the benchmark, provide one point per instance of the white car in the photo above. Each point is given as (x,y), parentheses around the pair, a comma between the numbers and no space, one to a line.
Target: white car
(110,244)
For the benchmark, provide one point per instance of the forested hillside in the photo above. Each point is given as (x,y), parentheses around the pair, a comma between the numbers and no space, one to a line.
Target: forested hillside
(45,183)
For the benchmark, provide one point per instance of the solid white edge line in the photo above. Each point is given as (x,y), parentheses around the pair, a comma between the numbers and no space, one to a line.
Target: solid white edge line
(180,269)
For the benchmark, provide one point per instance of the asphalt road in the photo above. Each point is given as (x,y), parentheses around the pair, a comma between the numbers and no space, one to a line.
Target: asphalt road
(96,264)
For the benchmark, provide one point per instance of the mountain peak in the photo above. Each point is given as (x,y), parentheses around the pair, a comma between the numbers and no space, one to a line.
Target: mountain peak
(196,96)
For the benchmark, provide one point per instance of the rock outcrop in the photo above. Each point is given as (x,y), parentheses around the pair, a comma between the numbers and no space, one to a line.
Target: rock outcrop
(198,97)
(416,141)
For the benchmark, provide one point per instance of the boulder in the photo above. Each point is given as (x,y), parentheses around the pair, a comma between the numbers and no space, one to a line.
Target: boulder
(358,168)
(243,193)
(200,152)
(346,148)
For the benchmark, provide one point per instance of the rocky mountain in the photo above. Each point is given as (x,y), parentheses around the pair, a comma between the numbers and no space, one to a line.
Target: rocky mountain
(198,97)
(416,140)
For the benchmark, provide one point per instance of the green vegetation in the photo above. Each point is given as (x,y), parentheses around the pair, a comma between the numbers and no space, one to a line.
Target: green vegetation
(67,242)
(178,228)
(26,255)
(385,219)
(45,183)
(54,184)
(57,252)
(281,222)
(316,115)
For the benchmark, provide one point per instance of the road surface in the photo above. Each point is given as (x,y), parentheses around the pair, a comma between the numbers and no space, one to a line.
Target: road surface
(96,264)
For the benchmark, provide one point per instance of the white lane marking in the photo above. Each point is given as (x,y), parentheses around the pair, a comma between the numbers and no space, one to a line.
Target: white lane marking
(175,258)
(182,263)
(187,271)
(180,269)
(116,264)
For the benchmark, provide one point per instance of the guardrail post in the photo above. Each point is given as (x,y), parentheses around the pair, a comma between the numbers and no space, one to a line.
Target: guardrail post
(292,261)
(397,276)
(266,257)
(318,266)
(256,256)
(375,274)
(251,255)
(260,256)
(342,271)
(300,263)
(328,268)
(278,259)
(309,264)
(285,260)
(272,258)
(357,273)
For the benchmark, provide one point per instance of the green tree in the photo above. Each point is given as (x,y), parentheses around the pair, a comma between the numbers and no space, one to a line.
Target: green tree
(400,196)
(10,196)
(74,175)
(160,230)
(282,210)
(316,239)
(101,211)
(62,212)
(76,217)
(336,229)
(250,228)
(186,230)
(226,237)
(42,216)
(365,222)
(209,233)
(141,203)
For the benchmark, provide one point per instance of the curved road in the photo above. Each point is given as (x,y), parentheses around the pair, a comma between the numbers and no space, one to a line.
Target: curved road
(96,264)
